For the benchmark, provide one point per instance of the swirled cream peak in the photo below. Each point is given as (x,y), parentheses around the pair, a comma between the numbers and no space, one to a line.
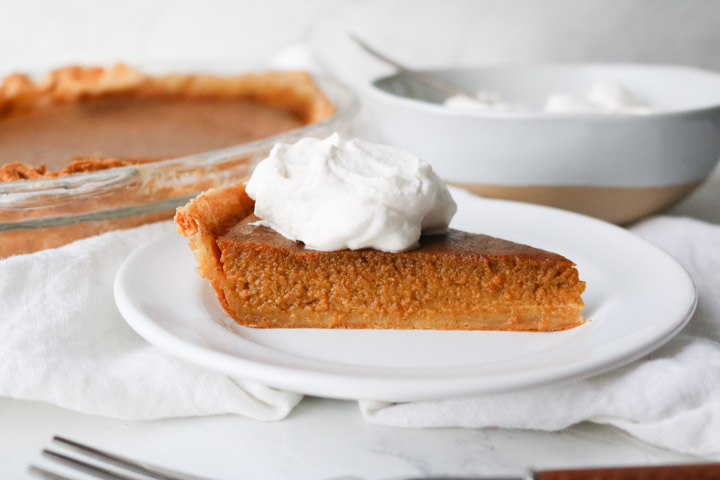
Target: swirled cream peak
(334,194)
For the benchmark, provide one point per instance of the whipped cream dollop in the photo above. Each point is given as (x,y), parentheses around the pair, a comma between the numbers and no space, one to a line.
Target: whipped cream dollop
(483,100)
(334,194)
(603,97)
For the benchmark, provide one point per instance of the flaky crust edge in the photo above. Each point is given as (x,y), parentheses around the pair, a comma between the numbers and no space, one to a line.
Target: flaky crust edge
(207,217)
(295,90)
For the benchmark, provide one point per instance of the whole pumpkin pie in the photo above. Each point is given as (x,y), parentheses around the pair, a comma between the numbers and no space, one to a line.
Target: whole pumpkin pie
(81,119)
(454,280)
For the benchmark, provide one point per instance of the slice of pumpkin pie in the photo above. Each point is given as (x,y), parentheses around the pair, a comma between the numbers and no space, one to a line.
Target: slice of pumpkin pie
(445,279)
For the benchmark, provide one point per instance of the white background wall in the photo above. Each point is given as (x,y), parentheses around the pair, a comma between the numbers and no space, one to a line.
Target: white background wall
(423,32)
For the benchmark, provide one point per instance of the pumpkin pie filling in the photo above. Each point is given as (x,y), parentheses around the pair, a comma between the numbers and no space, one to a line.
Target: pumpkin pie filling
(130,127)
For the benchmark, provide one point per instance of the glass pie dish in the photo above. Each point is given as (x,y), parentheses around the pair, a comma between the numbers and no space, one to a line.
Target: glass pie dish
(48,212)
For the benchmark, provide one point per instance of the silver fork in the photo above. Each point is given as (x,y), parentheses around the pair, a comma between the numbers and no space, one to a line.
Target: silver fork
(94,470)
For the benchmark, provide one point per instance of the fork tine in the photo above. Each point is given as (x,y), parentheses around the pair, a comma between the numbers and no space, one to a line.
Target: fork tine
(46,474)
(143,468)
(88,468)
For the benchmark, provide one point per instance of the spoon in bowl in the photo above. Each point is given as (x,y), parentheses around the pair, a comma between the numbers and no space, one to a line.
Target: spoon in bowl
(426,78)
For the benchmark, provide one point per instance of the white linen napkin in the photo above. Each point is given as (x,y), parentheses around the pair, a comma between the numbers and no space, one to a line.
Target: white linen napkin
(671,398)
(62,340)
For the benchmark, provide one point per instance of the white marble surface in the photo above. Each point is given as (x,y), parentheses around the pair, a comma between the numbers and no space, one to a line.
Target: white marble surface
(321,439)
(325,439)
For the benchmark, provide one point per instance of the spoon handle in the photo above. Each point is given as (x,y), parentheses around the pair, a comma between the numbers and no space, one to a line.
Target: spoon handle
(428,79)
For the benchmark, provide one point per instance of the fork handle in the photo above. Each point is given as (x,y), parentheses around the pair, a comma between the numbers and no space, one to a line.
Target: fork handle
(707,471)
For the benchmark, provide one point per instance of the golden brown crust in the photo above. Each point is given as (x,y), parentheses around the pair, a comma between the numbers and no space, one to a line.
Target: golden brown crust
(20,171)
(207,217)
(452,281)
(213,212)
(294,91)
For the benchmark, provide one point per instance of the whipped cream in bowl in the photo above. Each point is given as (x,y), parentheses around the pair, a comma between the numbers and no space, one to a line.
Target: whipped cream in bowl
(483,100)
(603,97)
(608,96)
(335,193)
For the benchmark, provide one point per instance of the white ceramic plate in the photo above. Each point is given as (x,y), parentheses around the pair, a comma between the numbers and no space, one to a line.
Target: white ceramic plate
(637,298)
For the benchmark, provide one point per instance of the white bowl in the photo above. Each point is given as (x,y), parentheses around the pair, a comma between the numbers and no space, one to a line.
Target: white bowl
(613,166)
